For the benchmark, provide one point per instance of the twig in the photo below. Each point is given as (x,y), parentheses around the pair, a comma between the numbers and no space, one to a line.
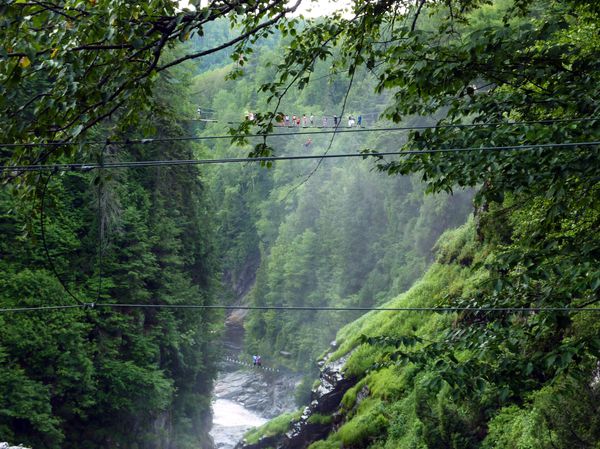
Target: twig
(417,13)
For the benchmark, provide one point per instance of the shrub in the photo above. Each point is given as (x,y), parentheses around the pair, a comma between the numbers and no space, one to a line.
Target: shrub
(276,426)
(368,424)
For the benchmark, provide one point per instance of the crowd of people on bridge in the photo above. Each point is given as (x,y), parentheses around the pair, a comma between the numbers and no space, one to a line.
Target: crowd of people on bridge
(304,121)
(310,121)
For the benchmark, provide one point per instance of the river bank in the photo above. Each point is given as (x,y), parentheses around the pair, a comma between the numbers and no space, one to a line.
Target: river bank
(247,398)
(244,396)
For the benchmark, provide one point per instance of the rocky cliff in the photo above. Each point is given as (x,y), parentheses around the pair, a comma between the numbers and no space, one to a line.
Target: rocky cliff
(311,426)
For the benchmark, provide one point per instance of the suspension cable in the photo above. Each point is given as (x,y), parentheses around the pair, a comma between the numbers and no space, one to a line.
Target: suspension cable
(309,308)
(178,162)
(326,130)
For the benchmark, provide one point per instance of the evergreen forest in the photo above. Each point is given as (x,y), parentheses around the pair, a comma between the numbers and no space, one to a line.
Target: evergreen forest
(429,226)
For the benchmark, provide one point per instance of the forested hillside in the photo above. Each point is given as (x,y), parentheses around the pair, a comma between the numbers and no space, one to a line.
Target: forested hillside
(107,271)
(508,357)
(95,377)
(310,233)
(422,379)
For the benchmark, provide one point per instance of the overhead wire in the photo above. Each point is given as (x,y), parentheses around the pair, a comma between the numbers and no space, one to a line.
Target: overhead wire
(45,243)
(134,164)
(41,308)
(320,130)
(100,192)
(449,309)
(179,162)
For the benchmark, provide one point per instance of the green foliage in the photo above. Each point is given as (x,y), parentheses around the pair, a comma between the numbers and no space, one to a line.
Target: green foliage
(369,423)
(276,426)
(66,67)
(457,245)
(345,237)
(325,445)
(516,428)
(388,383)
(441,381)
(559,415)
(96,377)
(317,418)
(349,398)
(363,358)
(581,399)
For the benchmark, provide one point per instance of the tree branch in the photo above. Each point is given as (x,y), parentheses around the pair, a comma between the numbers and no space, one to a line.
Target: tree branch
(417,13)
(233,41)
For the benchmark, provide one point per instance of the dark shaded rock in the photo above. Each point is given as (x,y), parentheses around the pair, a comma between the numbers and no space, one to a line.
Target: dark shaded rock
(304,433)
(325,400)
(263,443)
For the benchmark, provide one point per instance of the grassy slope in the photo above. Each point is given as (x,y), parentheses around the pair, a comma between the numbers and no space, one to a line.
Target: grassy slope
(394,406)
(276,426)
(390,384)
(388,417)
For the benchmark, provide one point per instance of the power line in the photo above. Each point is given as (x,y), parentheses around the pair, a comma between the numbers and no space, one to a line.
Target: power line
(45,243)
(179,162)
(331,130)
(42,308)
(361,309)
(309,308)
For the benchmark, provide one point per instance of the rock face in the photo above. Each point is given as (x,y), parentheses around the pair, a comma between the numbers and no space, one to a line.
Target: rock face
(327,396)
(267,393)
(325,401)
(8,446)
(247,398)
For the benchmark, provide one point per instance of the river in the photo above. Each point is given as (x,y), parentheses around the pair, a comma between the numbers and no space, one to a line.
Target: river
(244,396)
(231,421)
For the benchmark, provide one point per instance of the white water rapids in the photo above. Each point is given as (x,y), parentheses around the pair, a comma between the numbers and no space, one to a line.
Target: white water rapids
(246,397)
(231,421)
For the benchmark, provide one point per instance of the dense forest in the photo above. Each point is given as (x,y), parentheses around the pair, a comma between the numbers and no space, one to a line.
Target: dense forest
(512,359)
(315,233)
(89,377)
(489,215)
